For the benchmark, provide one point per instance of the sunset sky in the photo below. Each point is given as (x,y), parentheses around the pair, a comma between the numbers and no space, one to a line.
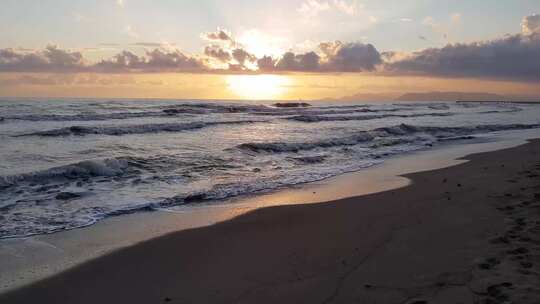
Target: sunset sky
(296,49)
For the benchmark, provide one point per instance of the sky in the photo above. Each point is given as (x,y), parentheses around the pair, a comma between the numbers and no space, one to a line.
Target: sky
(240,49)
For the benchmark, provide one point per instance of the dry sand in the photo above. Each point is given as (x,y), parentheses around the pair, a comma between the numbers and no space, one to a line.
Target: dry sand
(464,234)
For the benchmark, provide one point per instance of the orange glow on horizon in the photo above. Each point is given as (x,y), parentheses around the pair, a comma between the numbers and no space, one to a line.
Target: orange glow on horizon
(258,87)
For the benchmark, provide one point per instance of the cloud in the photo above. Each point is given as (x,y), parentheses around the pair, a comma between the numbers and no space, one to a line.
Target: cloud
(351,57)
(51,59)
(241,56)
(227,50)
(218,35)
(157,60)
(531,24)
(334,57)
(313,8)
(513,56)
(347,8)
(266,64)
(298,62)
(216,52)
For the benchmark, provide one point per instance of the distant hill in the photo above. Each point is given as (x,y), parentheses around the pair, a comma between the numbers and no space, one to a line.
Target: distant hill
(452,96)
(365,97)
(437,96)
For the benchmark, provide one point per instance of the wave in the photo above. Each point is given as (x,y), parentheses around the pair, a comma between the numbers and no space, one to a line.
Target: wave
(162,111)
(438,133)
(420,104)
(439,107)
(87,116)
(132,129)
(118,169)
(506,110)
(84,169)
(323,111)
(309,159)
(278,109)
(319,118)
(206,108)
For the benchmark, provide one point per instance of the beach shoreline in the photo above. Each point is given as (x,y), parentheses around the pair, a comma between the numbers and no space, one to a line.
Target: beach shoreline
(30,259)
(428,241)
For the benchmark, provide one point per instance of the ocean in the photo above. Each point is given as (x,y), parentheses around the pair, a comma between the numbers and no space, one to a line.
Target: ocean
(66,164)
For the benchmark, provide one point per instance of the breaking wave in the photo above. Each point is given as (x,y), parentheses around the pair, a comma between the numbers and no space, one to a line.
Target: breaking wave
(100,176)
(84,169)
(319,118)
(132,129)
(87,117)
(439,133)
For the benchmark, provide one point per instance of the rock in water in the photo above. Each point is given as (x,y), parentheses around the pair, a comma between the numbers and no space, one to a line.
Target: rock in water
(67,196)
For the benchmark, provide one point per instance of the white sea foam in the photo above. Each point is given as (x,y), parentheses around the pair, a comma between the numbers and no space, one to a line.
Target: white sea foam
(64,175)
(131,129)
(366,136)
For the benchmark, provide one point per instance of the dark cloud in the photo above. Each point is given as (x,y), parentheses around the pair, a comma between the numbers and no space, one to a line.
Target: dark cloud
(336,57)
(218,35)
(218,53)
(51,59)
(511,57)
(353,57)
(155,61)
(298,62)
(236,59)
(266,64)
(174,60)
(241,56)
(125,60)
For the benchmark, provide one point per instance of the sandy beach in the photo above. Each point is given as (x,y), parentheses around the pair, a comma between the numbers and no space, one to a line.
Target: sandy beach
(464,234)
(307,151)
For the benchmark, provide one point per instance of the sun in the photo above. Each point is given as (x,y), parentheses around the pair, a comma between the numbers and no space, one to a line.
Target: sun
(258,87)
(263,44)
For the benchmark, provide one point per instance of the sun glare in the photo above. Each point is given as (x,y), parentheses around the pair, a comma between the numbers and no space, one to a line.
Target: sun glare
(258,87)
(261,44)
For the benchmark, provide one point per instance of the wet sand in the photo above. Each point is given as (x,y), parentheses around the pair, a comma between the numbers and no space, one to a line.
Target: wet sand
(465,234)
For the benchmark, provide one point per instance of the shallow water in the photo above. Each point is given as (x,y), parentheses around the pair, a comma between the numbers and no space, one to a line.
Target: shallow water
(69,163)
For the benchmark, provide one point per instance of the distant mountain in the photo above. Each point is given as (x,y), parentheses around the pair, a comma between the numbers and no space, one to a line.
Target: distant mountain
(437,96)
(365,97)
(452,96)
